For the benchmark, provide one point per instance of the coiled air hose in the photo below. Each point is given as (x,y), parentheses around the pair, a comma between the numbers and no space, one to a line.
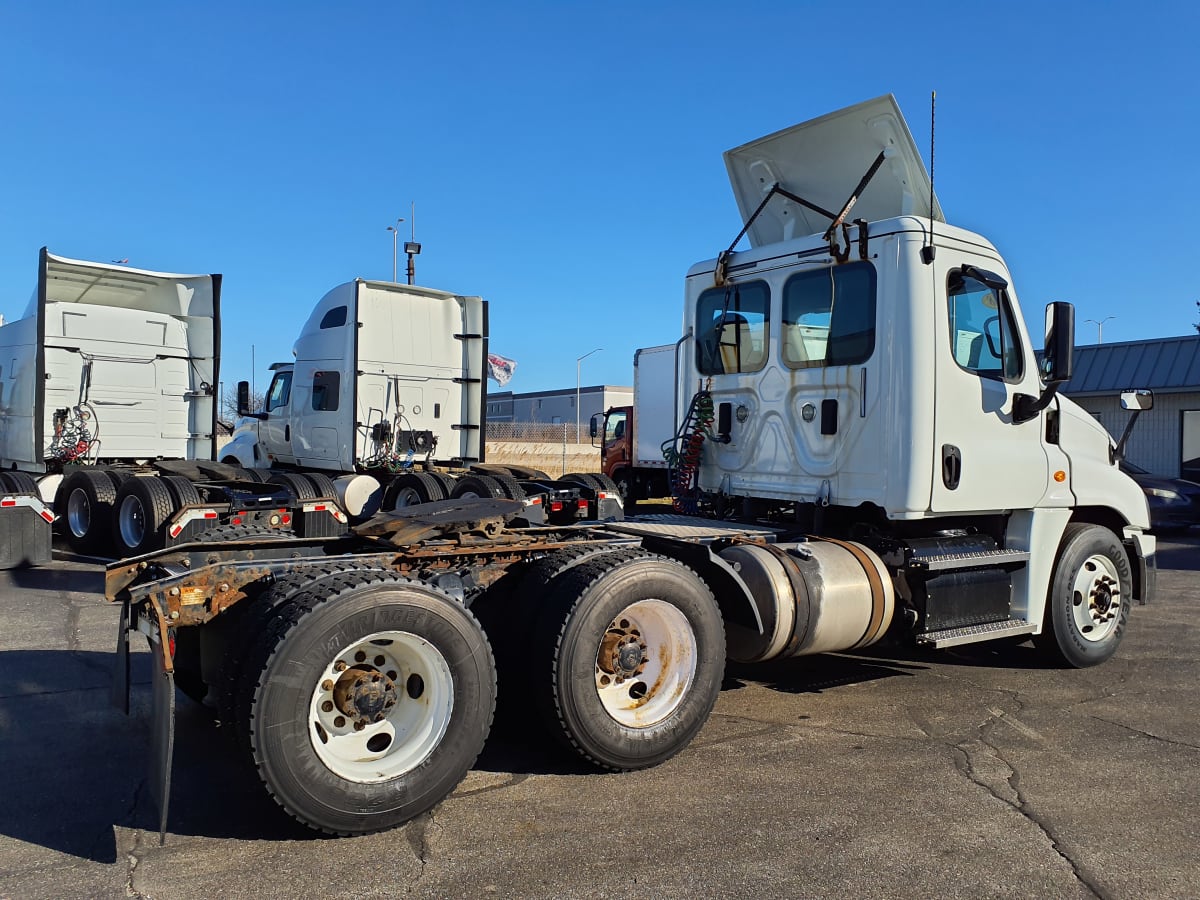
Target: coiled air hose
(682,453)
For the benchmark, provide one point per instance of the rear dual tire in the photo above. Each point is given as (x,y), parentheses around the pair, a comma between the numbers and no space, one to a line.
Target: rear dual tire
(632,655)
(342,653)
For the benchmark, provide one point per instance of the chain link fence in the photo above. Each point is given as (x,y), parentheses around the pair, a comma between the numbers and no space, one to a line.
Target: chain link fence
(551,446)
(537,432)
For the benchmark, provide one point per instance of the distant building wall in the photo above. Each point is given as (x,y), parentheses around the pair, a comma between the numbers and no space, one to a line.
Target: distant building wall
(1157,443)
(558,406)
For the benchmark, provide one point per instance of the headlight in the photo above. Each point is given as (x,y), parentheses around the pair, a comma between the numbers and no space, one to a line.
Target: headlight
(1162,493)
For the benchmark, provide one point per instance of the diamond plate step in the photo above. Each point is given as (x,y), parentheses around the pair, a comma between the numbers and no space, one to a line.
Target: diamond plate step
(951,637)
(977,560)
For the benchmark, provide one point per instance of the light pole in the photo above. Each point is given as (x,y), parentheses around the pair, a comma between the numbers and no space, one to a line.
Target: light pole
(1099,323)
(395,230)
(578,363)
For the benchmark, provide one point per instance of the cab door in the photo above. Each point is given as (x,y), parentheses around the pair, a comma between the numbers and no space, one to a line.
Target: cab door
(275,432)
(983,459)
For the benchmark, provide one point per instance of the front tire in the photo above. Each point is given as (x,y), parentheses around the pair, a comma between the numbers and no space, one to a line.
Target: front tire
(374,702)
(636,653)
(1087,608)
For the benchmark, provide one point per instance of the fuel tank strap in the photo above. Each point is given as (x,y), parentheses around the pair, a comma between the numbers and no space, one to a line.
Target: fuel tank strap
(799,589)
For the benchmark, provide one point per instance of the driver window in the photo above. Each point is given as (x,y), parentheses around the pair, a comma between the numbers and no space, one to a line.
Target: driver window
(982,335)
(278,393)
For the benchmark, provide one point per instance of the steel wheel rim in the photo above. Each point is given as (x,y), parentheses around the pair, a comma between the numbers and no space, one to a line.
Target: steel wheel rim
(132,521)
(407,496)
(79,512)
(355,733)
(469,494)
(645,663)
(1096,598)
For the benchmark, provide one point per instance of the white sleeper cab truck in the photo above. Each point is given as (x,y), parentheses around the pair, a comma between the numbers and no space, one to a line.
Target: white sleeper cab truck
(108,365)
(386,395)
(869,449)
(387,378)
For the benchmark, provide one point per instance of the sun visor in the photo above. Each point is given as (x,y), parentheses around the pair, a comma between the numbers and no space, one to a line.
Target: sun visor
(822,161)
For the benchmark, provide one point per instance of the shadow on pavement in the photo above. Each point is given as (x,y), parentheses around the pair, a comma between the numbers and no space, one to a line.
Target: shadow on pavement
(74,766)
(88,580)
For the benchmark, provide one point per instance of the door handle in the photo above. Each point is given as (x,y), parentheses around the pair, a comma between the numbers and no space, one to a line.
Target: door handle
(951,466)
(287,432)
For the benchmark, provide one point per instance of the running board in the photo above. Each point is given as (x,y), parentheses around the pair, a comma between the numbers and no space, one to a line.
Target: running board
(972,634)
(980,560)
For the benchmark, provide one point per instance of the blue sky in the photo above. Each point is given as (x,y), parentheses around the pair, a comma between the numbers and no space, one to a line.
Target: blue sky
(565,158)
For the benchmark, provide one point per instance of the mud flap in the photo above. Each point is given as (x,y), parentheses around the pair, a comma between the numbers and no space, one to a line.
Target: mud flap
(162,739)
(120,674)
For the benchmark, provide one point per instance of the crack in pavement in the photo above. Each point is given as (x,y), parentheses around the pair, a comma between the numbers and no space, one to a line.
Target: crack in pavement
(417,835)
(1156,737)
(970,763)
(132,859)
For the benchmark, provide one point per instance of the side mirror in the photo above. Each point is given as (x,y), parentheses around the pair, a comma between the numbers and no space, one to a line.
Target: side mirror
(1059,353)
(1138,400)
(243,397)
(594,425)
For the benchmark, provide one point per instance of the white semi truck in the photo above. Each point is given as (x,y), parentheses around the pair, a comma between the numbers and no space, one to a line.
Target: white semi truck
(871,448)
(109,366)
(387,394)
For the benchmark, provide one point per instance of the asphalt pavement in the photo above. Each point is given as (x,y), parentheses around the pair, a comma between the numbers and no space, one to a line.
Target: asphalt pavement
(975,772)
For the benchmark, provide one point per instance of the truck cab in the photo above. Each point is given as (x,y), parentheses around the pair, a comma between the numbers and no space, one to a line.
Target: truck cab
(385,376)
(874,378)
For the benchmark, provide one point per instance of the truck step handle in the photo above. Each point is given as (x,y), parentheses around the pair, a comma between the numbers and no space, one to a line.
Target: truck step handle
(464,427)
(951,466)
(468,337)
(467,380)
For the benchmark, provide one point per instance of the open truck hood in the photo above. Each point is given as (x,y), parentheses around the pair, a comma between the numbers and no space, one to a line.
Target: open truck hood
(822,161)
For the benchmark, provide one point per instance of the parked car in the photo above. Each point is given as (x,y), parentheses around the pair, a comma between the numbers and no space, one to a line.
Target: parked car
(1174,502)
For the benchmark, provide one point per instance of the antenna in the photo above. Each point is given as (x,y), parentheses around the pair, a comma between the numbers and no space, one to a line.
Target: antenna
(929,251)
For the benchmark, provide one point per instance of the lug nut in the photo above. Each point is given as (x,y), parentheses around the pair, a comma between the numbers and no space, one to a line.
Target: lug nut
(340,666)
(327,684)
(327,706)
(360,724)
(339,722)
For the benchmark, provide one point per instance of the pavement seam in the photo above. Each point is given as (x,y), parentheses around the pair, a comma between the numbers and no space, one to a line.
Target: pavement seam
(1148,734)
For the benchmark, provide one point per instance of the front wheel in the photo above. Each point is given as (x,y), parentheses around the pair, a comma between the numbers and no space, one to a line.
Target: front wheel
(636,653)
(1087,608)
(375,700)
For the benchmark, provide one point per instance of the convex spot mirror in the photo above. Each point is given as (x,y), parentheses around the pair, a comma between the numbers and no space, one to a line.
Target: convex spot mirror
(1137,400)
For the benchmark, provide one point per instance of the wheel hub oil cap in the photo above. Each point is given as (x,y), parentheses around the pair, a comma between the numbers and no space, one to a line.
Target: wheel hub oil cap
(363,693)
